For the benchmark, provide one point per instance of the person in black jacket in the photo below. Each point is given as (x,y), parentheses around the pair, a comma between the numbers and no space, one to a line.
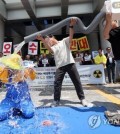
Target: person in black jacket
(112,34)
(110,65)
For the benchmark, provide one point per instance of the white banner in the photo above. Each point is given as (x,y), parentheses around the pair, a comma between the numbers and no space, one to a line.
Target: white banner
(32,48)
(89,74)
(7,46)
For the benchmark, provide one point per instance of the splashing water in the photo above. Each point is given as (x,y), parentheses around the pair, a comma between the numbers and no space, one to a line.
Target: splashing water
(18,48)
(13,123)
(35,125)
(41,119)
(51,122)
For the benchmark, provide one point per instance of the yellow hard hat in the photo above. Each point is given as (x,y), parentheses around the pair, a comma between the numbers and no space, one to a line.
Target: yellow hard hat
(13,61)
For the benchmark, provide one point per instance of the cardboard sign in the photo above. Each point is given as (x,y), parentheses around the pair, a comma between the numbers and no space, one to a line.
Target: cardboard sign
(32,48)
(73,46)
(27,63)
(7,46)
(43,50)
(83,43)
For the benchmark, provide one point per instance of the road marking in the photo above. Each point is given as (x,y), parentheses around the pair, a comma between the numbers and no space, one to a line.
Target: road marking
(108,96)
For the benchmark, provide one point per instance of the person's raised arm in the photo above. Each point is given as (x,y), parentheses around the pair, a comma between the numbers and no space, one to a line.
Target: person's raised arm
(108,26)
(47,46)
(71,28)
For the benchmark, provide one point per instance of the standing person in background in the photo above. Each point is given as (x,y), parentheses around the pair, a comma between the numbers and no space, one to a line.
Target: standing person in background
(52,61)
(45,61)
(78,59)
(112,34)
(27,57)
(64,63)
(40,61)
(87,58)
(36,60)
(100,58)
(110,64)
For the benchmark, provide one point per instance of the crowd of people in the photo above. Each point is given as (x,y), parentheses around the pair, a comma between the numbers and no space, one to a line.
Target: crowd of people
(82,58)
(42,60)
(106,59)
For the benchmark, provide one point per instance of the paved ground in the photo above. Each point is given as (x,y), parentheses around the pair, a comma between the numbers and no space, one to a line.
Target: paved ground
(44,97)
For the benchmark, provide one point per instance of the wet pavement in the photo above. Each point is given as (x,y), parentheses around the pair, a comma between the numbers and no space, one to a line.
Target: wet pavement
(43,97)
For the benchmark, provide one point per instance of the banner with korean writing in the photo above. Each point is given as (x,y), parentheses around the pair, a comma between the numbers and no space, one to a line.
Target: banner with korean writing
(83,43)
(43,50)
(89,74)
(79,44)
(32,48)
(7,46)
(74,46)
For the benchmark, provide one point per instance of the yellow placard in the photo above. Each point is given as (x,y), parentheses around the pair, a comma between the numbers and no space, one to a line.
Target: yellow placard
(74,46)
(83,43)
(43,50)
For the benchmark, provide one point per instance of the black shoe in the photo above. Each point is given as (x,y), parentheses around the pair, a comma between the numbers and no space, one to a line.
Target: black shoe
(55,104)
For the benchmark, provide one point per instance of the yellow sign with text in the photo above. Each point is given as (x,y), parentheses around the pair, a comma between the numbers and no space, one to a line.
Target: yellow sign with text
(80,44)
(83,43)
(43,50)
(77,44)
(74,46)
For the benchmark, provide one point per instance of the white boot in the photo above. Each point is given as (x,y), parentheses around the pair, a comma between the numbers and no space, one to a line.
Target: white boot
(86,104)
(55,104)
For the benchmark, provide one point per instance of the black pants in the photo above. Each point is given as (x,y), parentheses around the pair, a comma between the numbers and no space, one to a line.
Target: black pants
(111,69)
(59,76)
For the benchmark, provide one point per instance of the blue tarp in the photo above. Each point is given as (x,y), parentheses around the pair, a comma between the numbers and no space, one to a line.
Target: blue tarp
(65,120)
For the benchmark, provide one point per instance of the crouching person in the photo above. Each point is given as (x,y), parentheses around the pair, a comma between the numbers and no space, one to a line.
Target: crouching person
(17,99)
